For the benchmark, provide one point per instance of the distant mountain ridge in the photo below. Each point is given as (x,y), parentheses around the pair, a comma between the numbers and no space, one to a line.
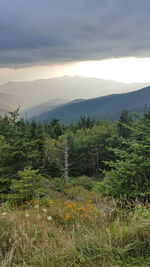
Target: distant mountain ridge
(36,110)
(107,107)
(40,92)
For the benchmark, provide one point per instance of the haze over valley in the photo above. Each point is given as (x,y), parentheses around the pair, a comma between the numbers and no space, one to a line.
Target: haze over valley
(38,96)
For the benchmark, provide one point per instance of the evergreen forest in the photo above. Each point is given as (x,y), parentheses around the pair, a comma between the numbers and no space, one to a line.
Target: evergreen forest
(84,187)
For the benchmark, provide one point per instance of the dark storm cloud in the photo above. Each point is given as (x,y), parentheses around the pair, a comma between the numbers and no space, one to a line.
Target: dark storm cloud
(36,31)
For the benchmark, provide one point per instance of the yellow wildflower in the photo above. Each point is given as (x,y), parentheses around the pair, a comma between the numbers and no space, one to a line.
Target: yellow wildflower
(80,209)
(67,216)
(70,204)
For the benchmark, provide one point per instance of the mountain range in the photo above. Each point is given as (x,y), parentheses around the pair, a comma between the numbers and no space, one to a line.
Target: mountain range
(108,107)
(42,95)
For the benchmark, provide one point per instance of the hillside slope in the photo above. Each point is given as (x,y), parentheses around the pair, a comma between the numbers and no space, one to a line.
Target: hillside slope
(30,94)
(102,107)
(47,106)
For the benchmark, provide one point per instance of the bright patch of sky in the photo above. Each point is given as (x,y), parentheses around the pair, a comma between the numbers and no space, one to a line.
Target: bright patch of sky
(127,70)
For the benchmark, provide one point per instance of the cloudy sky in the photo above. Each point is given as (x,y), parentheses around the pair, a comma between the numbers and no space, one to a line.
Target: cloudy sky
(41,39)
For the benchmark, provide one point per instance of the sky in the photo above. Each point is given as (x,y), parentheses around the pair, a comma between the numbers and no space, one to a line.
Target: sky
(108,39)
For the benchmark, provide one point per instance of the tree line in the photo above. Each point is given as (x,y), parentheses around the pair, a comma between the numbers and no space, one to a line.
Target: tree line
(115,154)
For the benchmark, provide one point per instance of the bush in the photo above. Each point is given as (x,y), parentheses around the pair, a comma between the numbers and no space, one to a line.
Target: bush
(58,184)
(75,192)
(129,171)
(30,185)
(84,181)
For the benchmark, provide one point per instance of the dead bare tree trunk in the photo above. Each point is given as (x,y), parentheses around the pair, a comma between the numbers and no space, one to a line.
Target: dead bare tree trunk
(66,163)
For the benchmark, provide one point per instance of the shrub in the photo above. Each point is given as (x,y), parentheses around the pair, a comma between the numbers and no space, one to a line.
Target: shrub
(29,186)
(129,171)
(58,184)
(84,181)
(75,192)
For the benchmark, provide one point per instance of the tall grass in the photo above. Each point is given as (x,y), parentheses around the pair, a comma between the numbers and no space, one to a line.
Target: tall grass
(62,233)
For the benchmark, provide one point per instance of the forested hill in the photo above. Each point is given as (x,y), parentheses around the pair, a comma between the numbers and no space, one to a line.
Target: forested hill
(29,94)
(108,107)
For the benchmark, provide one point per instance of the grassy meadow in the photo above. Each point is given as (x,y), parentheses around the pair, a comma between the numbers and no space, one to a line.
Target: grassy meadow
(74,230)
(76,195)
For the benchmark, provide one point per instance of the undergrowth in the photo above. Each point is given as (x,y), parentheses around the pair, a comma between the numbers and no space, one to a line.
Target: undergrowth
(60,232)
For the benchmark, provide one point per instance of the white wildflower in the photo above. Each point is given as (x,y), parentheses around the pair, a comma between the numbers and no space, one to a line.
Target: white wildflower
(27,215)
(45,210)
(4,213)
(49,218)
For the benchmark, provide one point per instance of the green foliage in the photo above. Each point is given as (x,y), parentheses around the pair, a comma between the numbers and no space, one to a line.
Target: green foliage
(13,116)
(88,237)
(75,192)
(30,185)
(84,181)
(115,153)
(125,120)
(130,172)
(58,184)
(55,129)
(52,163)
(87,152)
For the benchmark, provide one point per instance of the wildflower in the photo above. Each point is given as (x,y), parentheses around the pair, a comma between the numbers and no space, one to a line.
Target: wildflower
(90,207)
(49,218)
(4,213)
(45,210)
(67,216)
(27,215)
(80,209)
(70,204)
